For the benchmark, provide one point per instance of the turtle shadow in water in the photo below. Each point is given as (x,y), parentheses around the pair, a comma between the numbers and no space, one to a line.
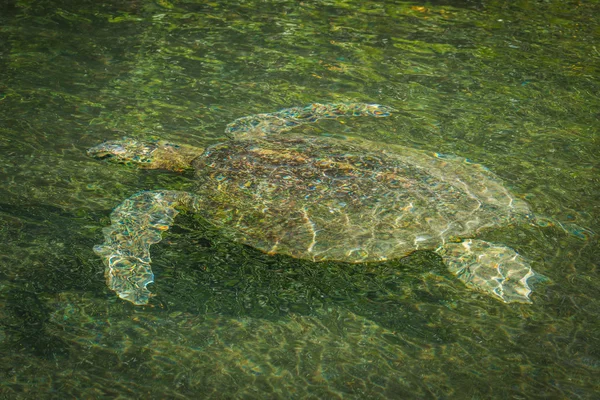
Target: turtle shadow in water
(25,320)
(45,259)
(200,272)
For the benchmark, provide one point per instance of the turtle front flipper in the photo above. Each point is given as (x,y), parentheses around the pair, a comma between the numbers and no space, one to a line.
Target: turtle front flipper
(136,224)
(490,268)
(260,125)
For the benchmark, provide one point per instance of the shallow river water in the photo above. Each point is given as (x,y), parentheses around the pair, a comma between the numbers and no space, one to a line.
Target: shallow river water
(510,85)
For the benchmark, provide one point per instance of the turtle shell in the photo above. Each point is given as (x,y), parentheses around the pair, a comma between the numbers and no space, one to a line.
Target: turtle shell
(324,198)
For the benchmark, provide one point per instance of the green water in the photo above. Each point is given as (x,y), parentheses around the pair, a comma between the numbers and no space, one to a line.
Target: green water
(511,85)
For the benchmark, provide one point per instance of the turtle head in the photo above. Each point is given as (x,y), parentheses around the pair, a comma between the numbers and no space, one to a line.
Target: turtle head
(151,154)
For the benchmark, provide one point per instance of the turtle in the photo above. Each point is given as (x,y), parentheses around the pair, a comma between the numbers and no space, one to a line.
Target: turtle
(318,197)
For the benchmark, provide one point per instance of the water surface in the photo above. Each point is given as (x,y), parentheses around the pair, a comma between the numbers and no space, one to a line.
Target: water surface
(511,85)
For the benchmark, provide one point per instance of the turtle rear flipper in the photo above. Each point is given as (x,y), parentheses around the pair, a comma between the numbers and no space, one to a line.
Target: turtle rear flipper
(490,268)
(136,224)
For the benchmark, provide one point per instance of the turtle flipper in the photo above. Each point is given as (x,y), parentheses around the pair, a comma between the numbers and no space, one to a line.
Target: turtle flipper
(491,268)
(136,224)
(288,118)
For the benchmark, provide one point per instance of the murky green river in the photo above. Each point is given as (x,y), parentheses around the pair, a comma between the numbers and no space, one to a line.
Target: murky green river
(514,86)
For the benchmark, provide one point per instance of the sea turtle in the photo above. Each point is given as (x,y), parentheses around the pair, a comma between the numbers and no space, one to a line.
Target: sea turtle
(318,198)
